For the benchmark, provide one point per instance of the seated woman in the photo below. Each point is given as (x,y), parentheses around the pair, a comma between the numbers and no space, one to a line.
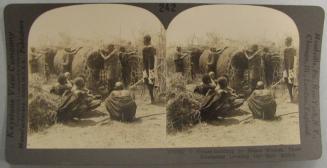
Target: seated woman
(120,104)
(219,103)
(77,102)
(62,86)
(205,87)
(262,103)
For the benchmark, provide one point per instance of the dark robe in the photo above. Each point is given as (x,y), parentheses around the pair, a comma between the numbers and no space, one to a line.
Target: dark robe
(34,65)
(75,104)
(179,62)
(94,63)
(126,67)
(254,70)
(148,53)
(219,103)
(268,68)
(262,104)
(203,89)
(121,106)
(215,105)
(289,54)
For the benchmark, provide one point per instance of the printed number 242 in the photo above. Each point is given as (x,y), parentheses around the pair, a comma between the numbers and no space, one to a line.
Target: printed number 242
(167,7)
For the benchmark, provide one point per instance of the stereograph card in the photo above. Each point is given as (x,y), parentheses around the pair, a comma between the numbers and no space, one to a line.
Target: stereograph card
(162,83)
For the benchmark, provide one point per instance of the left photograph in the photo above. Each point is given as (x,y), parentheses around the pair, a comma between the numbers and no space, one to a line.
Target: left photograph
(96,78)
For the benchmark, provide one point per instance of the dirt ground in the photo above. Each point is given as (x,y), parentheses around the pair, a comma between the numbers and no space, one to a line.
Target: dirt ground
(242,130)
(149,130)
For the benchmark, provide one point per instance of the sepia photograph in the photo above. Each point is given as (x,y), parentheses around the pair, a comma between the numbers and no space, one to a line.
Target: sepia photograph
(234,80)
(111,76)
(96,78)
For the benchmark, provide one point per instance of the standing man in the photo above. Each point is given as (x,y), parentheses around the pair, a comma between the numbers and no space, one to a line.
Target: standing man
(34,63)
(213,58)
(111,71)
(124,57)
(288,74)
(47,61)
(254,59)
(68,59)
(149,53)
(268,66)
(179,60)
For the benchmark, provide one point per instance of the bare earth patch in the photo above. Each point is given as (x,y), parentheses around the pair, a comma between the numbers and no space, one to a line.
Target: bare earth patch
(101,132)
(149,130)
(242,130)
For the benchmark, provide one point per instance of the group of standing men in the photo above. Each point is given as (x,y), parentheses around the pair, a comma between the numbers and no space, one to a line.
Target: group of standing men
(220,99)
(260,65)
(115,61)
(104,65)
(261,68)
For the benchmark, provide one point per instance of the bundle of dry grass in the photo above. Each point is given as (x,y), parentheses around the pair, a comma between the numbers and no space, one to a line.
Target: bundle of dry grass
(182,106)
(41,109)
(182,111)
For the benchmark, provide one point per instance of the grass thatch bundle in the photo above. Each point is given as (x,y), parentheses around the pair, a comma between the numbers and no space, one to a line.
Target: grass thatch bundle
(182,111)
(42,108)
(182,106)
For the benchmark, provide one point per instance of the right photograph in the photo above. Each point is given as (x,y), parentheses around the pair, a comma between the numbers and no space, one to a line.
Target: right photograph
(232,77)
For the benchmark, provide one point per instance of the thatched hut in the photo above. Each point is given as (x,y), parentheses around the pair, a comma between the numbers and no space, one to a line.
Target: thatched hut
(58,60)
(231,62)
(80,62)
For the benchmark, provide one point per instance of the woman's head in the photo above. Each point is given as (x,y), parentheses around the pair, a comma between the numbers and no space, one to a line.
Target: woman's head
(206,79)
(79,82)
(222,82)
(62,79)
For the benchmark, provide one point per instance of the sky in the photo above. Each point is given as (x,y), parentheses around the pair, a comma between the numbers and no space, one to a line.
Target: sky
(109,22)
(238,22)
(105,22)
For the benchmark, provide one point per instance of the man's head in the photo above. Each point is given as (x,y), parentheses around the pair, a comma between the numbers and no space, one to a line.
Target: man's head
(206,79)
(212,75)
(79,82)
(119,86)
(108,48)
(266,49)
(288,41)
(260,85)
(122,49)
(179,48)
(254,48)
(33,49)
(147,40)
(222,82)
